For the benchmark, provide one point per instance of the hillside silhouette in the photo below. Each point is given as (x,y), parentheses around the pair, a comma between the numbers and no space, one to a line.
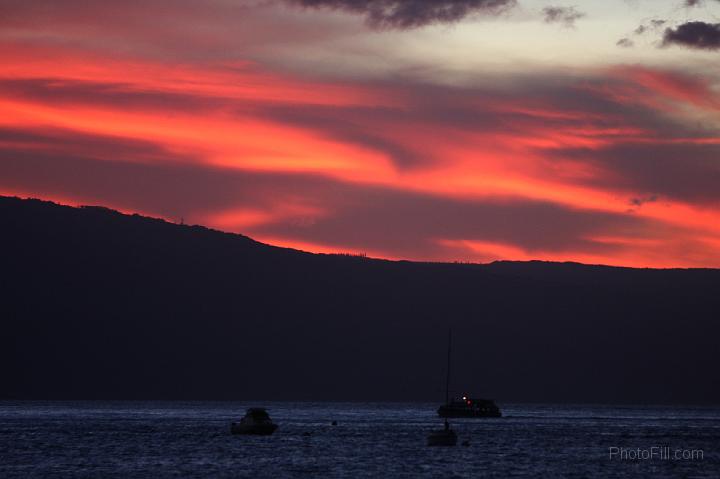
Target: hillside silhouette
(98,304)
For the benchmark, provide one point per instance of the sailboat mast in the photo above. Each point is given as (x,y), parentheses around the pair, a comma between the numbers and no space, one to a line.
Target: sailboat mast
(447,377)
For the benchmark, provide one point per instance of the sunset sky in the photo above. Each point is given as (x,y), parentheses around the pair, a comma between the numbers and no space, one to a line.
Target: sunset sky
(448,130)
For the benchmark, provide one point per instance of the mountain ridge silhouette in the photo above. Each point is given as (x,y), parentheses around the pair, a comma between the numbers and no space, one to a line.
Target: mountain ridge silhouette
(102,305)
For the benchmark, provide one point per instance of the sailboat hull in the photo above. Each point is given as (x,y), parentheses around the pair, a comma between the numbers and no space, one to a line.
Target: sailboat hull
(442,438)
(470,408)
(450,412)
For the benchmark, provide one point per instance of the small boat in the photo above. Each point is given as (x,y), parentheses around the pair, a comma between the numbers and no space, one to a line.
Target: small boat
(256,421)
(469,407)
(443,437)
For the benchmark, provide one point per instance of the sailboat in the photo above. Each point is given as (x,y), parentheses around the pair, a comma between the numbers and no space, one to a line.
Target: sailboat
(466,406)
(445,436)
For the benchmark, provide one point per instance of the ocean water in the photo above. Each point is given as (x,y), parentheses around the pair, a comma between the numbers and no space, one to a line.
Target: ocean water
(192,439)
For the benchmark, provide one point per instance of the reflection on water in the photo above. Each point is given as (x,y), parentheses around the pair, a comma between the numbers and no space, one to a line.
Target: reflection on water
(177,439)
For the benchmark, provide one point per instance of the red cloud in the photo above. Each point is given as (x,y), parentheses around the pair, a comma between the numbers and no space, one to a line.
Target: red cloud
(546,167)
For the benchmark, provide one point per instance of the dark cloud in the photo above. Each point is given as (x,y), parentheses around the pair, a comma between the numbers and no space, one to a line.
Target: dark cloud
(62,141)
(695,3)
(625,43)
(565,15)
(368,127)
(406,14)
(687,172)
(60,91)
(639,201)
(696,35)
(653,25)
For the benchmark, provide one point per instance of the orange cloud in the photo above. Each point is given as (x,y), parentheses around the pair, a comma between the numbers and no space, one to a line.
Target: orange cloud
(378,167)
